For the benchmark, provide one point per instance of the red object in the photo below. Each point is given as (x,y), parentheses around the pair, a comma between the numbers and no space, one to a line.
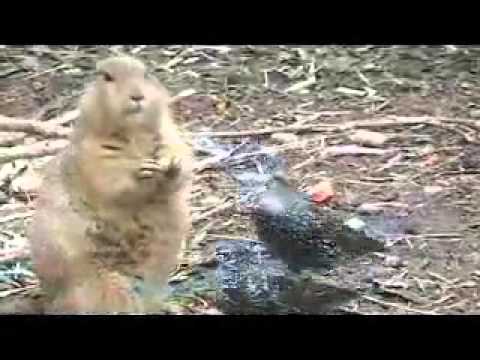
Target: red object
(432,160)
(321,197)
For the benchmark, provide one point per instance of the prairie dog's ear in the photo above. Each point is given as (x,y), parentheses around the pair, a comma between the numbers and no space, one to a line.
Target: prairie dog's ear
(117,66)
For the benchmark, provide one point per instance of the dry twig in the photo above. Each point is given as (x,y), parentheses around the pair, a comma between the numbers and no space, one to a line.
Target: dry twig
(212,212)
(38,149)
(65,118)
(398,306)
(445,123)
(17,290)
(32,127)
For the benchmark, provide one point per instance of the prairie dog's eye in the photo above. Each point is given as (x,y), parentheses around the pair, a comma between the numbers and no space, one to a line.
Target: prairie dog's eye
(107,77)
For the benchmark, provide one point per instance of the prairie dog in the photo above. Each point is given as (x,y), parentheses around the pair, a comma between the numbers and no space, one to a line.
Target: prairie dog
(114,210)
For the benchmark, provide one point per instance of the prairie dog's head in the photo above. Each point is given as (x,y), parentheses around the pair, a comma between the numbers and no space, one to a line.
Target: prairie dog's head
(123,91)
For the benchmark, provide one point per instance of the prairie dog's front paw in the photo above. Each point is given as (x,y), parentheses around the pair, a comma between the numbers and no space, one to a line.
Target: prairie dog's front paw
(170,165)
(167,165)
(148,168)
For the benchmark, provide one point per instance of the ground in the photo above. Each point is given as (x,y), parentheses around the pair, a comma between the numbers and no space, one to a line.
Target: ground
(425,99)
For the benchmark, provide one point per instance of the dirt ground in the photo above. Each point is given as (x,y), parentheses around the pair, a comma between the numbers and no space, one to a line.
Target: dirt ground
(424,99)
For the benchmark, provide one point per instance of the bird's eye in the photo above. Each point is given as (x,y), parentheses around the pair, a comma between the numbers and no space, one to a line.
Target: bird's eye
(107,77)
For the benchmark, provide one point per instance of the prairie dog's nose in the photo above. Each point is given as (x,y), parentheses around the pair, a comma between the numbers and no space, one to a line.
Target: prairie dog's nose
(137,97)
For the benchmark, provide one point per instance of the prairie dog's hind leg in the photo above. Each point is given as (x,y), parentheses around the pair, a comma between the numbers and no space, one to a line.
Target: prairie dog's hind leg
(110,293)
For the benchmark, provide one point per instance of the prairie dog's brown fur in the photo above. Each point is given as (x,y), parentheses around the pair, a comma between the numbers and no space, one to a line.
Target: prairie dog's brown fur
(114,209)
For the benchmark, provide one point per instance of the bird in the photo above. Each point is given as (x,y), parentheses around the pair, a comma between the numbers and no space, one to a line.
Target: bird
(250,281)
(286,222)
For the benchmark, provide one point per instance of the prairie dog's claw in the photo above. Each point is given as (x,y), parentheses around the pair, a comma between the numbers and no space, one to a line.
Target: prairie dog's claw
(164,165)
(145,173)
(148,169)
(172,164)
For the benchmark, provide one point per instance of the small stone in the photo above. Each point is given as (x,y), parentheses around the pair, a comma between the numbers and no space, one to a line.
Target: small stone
(393,261)
(469,158)
(369,138)
(355,223)
(355,237)
(284,138)
(277,80)
(475,113)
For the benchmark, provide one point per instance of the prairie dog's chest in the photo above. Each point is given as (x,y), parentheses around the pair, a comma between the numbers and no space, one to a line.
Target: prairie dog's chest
(121,144)
(143,144)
